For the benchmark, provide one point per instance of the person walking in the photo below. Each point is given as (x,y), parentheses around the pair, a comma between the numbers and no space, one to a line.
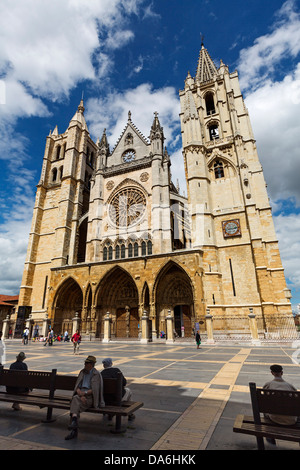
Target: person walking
(25,336)
(198,339)
(76,340)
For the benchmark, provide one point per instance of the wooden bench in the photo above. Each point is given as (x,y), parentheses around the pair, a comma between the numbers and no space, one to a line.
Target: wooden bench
(280,402)
(56,384)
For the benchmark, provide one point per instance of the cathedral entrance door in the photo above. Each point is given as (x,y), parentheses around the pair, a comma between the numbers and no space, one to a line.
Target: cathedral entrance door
(67,325)
(127,323)
(182,321)
(121,327)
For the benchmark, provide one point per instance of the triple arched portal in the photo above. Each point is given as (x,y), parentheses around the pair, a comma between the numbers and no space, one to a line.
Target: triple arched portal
(125,296)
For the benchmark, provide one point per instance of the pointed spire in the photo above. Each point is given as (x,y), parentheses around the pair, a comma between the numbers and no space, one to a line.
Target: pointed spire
(55,132)
(79,116)
(156,128)
(156,124)
(103,145)
(103,142)
(81,107)
(206,68)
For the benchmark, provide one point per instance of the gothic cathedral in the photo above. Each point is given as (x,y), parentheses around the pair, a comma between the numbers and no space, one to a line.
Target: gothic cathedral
(116,251)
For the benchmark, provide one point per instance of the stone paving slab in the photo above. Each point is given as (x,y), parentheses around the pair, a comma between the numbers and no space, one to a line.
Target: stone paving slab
(191,397)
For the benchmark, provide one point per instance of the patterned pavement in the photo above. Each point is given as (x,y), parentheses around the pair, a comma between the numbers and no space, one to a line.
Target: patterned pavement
(191,397)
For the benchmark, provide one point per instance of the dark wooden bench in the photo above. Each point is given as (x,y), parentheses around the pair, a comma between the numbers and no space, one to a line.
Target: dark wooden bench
(280,402)
(55,385)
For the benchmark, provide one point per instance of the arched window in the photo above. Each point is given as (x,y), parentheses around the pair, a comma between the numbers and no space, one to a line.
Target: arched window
(130,250)
(149,247)
(117,252)
(110,252)
(143,248)
(61,171)
(54,175)
(210,104)
(105,254)
(58,152)
(122,251)
(219,170)
(213,132)
(136,249)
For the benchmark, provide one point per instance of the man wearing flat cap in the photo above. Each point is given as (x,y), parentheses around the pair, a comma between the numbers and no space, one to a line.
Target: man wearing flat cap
(278,383)
(88,393)
(19,364)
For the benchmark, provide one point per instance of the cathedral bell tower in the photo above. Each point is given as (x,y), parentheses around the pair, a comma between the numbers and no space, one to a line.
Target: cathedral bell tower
(229,206)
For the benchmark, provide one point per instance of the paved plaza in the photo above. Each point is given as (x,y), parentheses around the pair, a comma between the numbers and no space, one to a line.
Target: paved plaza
(191,397)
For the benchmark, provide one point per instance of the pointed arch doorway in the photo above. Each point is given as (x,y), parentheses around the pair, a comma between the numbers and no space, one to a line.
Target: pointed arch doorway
(67,302)
(174,291)
(182,321)
(117,295)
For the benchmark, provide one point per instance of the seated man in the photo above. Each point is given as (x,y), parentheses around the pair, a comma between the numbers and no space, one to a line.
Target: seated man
(111,373)
(279,384)
(88,393)
(18,365)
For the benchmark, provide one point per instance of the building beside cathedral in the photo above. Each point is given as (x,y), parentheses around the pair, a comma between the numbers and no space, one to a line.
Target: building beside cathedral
(116,250)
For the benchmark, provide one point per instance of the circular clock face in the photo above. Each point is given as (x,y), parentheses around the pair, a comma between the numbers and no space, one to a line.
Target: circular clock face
(232,227)
(128,156)
(127,207)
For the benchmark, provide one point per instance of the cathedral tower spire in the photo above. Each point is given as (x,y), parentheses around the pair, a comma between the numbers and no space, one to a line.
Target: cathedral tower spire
(206,69)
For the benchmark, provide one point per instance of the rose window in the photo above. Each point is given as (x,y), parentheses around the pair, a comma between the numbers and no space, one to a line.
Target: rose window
(127,207)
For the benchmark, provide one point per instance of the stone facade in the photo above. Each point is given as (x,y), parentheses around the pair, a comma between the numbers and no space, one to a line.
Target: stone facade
(114,243)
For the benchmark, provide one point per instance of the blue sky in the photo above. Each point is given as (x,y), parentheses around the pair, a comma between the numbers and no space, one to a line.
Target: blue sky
(135,55)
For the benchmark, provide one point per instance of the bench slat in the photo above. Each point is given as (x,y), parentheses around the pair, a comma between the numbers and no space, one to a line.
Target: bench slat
(266,430)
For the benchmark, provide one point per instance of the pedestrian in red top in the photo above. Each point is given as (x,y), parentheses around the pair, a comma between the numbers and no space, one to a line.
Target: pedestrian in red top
(76,340)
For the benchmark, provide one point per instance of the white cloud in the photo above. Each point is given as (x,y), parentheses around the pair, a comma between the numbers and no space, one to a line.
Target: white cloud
(112,112)
(258,62)
(46,48)
(288,229)
(274,112)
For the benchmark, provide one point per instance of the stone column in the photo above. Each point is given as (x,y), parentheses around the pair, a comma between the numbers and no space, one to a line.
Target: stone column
(209,327)
(76,323)
(169,324)
(107,323)
(28,324)
(253,327)
(152,316)
(5,327)
(145,328)
(45,327)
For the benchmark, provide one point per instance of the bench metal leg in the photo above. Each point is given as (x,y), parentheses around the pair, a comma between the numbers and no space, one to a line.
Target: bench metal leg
(49,418)
(118,428)
(260,443)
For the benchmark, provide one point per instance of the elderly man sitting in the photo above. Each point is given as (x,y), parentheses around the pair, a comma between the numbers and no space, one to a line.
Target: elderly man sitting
(111,372)
(88,393)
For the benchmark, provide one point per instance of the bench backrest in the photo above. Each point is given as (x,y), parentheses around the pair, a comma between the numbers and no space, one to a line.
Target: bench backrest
(32,379)
(112,388)
(51,381)
(65,382)
(281,402)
